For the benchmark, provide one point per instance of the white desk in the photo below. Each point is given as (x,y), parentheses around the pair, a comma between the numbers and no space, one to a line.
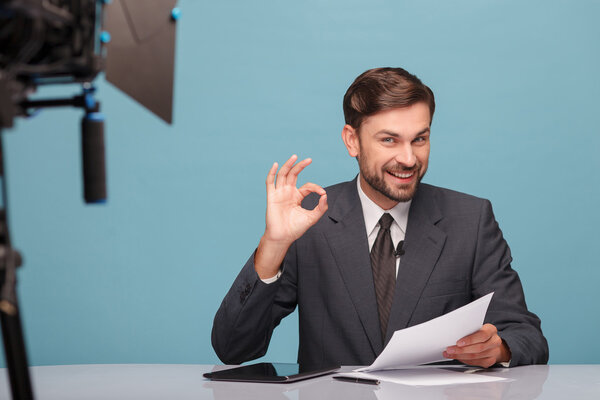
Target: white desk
(148,382)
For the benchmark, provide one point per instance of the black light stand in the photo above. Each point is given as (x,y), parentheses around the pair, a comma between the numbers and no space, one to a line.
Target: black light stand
(64,41)
(12,332)
(94,183)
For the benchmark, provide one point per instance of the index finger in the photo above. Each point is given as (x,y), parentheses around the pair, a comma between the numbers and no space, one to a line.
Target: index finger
(482,335)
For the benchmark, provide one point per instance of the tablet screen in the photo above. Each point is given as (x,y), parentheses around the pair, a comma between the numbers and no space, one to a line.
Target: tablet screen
(269,372)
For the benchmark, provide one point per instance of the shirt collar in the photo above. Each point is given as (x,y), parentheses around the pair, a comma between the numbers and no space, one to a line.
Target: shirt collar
(372,212)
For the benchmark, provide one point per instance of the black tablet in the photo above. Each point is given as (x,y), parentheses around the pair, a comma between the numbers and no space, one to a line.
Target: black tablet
(269,373)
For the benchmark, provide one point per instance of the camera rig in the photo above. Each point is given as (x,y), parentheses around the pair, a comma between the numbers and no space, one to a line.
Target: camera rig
(48,42)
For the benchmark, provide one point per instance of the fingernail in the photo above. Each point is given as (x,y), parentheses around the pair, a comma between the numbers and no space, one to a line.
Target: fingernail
(461,343)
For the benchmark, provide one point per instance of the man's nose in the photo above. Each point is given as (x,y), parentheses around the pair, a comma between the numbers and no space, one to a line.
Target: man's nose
(405,156)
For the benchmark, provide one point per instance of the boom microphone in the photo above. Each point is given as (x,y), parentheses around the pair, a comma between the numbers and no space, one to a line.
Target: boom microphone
(92,150)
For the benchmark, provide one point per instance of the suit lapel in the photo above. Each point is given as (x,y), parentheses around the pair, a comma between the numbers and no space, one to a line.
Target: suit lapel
(347,239)
(423,244)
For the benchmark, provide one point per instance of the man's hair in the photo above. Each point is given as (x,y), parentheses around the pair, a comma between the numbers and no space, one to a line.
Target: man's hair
(382,89)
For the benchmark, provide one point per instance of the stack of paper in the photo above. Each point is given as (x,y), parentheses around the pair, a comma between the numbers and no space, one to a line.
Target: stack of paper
(408,348)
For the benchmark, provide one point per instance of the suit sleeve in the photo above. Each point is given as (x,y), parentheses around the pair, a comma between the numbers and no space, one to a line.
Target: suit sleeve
(516,325)
(244,323)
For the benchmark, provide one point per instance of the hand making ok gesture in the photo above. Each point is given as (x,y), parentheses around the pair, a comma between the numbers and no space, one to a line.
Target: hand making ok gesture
(286,220)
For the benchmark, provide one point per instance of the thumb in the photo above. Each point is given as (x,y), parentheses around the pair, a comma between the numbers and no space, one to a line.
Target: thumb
(317,212)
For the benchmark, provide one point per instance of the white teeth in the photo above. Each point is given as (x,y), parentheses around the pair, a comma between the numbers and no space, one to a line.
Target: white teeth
(402,176)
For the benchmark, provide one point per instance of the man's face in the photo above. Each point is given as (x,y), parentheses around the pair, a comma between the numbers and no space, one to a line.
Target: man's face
(392,149)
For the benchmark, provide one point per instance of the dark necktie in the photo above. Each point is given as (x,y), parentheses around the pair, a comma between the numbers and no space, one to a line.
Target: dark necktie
(383,263)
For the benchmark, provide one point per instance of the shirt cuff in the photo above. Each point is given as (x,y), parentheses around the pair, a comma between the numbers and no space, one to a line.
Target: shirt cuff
(272,279)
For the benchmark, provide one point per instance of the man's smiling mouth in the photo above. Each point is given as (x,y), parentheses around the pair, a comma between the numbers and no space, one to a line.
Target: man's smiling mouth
(402,175)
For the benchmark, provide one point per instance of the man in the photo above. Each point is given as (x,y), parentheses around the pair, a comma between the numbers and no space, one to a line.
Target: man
(365,258)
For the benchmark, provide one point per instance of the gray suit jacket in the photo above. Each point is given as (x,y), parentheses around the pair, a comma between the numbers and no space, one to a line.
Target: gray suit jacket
(454,253)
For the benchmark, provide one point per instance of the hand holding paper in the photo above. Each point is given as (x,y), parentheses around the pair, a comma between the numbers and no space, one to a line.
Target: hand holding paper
(426,342)
(432,340)
(483,348)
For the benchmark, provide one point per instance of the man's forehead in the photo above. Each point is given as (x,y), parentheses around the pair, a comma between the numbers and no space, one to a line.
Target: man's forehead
(387,132)
(414,119)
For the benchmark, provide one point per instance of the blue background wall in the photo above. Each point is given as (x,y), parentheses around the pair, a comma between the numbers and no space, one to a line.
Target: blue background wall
(139,279)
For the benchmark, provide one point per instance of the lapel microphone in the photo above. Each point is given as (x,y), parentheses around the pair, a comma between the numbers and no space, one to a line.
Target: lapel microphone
(399,250)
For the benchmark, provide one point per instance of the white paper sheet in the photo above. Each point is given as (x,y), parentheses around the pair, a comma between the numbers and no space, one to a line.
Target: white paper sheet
(425,343)
(425,376)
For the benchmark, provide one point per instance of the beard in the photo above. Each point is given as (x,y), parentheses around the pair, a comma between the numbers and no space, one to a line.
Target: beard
(399,193)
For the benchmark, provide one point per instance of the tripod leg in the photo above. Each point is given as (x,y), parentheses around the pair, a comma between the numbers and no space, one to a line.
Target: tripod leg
(12,331)
(14,349)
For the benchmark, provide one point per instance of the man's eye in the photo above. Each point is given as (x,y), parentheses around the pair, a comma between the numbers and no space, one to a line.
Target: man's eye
(388,140)
(419,139)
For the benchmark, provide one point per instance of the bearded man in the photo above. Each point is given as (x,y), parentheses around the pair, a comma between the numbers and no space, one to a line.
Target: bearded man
(364,258)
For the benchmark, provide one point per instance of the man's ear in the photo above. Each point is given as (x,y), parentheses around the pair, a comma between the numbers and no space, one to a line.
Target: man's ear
(350,138)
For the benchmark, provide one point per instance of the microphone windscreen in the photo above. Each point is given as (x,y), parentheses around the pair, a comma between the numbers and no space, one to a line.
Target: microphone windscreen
(92,150)
(399,250)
